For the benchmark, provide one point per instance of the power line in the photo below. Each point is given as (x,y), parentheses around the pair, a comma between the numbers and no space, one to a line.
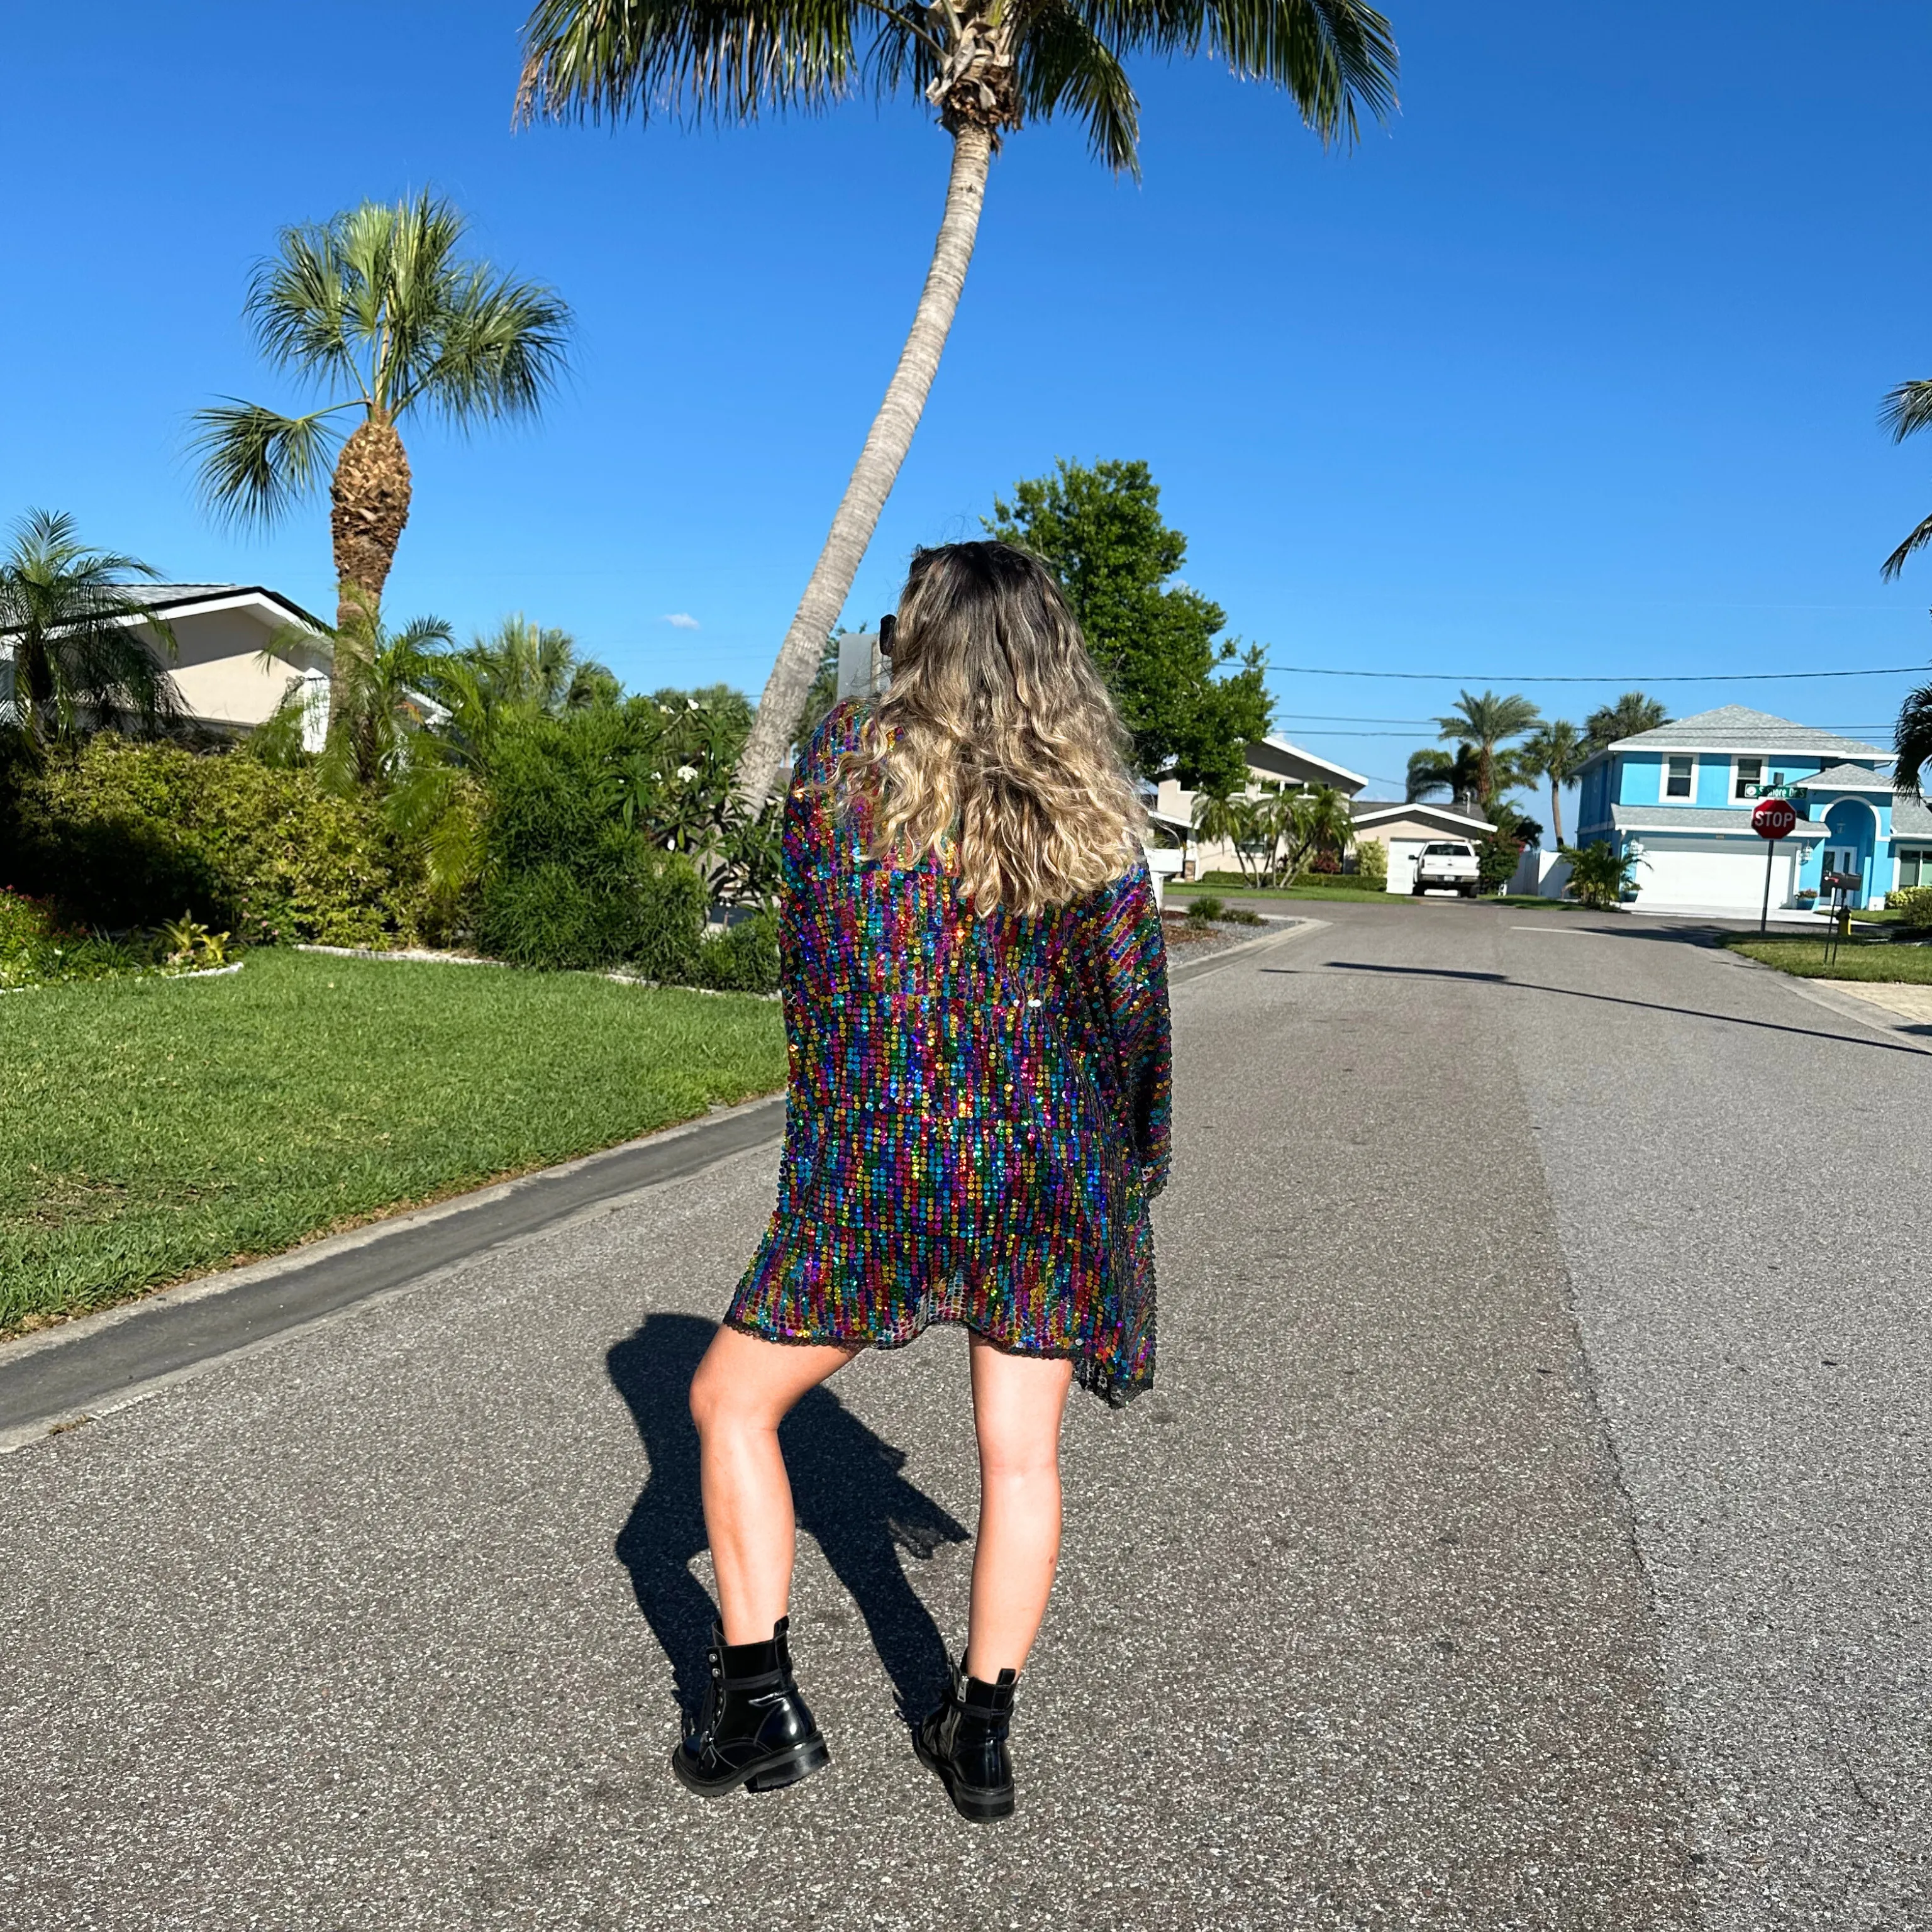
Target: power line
(1628,678)
(1426,723)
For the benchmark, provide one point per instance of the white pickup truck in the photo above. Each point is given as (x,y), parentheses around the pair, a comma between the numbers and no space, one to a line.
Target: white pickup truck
(1447,865)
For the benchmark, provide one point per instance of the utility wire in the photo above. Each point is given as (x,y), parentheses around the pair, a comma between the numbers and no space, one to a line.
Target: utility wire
(1631,679)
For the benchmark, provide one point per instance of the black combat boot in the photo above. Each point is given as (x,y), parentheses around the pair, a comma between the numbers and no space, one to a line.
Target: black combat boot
(964,1741)
(754,1730)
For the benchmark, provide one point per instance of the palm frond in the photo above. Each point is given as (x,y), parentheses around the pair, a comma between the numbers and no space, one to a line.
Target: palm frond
(256,465)
(1912,745)
(691,60)
(1066,64)
(1906,410)
(297,308)
(1915,542)
(500,348)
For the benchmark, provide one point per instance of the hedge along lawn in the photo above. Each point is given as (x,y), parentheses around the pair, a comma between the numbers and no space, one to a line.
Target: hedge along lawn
(1858,959)
(154,1128)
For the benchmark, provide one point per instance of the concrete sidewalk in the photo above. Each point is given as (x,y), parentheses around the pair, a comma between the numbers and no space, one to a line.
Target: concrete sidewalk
(386,1625)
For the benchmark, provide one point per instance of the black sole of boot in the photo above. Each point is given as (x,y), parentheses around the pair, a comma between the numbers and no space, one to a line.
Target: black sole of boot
(766,1774)
(976,1808)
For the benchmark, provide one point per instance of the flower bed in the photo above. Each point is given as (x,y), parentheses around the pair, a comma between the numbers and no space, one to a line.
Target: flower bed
(36,949)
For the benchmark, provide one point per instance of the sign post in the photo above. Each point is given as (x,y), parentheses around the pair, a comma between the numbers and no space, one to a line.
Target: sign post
(1771,819)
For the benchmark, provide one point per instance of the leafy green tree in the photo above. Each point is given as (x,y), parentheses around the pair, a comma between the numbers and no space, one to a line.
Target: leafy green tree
(379,306)
(1100,531)
(1484,723)
(1554,752)
(985,68)
(1632,713)
(69,636)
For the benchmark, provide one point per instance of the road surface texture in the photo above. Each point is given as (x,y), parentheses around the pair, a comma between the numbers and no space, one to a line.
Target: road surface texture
(1528,1529)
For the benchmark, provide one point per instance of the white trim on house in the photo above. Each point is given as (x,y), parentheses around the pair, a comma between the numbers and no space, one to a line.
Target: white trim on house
(1453,819)
(1665,796)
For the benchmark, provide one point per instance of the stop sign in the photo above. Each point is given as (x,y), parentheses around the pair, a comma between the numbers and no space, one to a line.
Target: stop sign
(1773,818)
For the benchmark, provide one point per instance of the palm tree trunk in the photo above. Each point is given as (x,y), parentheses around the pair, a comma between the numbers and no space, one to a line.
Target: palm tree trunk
(783,703)
(368,506)
(1556,811)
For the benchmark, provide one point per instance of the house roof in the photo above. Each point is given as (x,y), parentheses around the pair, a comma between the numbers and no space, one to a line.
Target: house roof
(1291,761)
(1847,778)
(1691,818)
(176,600)
(1911,817)
(1375,811)
(1736,727)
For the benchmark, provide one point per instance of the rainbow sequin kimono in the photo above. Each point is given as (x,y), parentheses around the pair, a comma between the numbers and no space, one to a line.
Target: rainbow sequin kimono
(977,1111)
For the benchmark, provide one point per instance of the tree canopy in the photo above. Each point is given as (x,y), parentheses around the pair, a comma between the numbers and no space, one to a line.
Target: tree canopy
(1157,642)
(1631,713)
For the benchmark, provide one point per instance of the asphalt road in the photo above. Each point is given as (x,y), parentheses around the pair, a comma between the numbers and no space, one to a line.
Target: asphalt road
(1529,1529)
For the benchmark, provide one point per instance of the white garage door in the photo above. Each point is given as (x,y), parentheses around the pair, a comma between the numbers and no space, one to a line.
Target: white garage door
(1403,853)
(1729,878)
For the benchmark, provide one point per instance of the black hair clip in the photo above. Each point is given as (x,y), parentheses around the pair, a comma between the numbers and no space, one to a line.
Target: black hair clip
(887,626)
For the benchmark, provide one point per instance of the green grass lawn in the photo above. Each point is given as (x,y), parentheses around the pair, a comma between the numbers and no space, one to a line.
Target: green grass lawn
(151,1129)
(1858,959)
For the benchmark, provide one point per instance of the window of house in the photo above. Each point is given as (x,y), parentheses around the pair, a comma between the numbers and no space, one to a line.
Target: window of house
(1751,773)
(1915,868)
(1677,777)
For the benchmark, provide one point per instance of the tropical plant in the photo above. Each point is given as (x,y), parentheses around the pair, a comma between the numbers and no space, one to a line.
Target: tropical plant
(1322,824)
(1431,770)
(71,636)
(984,66)
(1371,860)
(1554,752)
(379,306)
(1600,874)
(1632,714)
(1912,744)
(1905,411)
(537,667)
(1483,724)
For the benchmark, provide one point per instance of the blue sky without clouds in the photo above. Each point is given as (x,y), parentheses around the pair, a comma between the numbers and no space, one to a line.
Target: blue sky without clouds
(1573,369)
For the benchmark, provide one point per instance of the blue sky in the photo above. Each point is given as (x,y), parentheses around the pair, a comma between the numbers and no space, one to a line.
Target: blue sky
(1573,369)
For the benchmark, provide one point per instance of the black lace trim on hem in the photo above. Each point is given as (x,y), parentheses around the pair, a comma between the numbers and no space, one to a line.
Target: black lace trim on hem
(1095,1377)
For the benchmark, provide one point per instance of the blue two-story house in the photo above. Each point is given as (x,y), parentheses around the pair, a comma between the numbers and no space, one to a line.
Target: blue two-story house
(1680,798)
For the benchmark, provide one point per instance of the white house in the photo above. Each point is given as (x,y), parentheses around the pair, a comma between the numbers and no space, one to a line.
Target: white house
(1271,762)
(223,683)
(1406,828)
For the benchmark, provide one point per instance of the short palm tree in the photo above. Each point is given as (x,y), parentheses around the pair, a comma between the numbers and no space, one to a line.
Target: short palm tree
(1554,752)
(71,635)
(380,307)
(1905,411)
(1631,715)
(986,67)
(1483,724)
(380,704)
(1322,823)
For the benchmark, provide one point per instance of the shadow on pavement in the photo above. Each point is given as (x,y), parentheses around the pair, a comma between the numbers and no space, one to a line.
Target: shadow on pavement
(1602,999)
(847,1491)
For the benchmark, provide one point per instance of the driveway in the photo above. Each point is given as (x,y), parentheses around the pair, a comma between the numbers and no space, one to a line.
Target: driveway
(1527,1529)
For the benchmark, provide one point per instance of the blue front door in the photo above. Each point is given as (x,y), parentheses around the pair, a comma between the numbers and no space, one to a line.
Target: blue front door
(1851,832)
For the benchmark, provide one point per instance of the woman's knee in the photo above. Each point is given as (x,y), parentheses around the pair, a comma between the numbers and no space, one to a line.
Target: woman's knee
(718,1401)
(1019,1457)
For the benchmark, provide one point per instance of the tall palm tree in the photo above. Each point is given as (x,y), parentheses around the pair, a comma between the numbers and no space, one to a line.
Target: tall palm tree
(378,307)
(1907,409)
(986,67)
(1483,724)
(1433,769)
(1912,746)
(71,635)
(1631,714)
(1555,752)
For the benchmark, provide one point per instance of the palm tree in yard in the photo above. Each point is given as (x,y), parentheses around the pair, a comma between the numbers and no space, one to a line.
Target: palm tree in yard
(1433,769)
(1484,723)
(70,635)
(986,67)
(379,308)
(1554,752)
(1905,411)
(1631,715)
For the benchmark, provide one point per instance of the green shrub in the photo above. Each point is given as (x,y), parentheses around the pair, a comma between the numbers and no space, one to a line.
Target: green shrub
(1372,864)
(569,880)
(127,835)
(743,958)
(1237,880)
(1915,902)
(1205,908)
(1345,882)
(36,949)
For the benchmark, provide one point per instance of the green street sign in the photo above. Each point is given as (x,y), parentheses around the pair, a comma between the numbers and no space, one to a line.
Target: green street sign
(1769,791)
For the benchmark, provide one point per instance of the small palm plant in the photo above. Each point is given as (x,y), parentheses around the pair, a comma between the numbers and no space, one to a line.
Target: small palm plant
(1555,752)
(1600,874)
(985,68)
(1912,746)
(70,637)
(379,306)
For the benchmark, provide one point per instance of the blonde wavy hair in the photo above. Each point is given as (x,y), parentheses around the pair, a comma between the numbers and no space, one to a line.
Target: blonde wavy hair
(998,737)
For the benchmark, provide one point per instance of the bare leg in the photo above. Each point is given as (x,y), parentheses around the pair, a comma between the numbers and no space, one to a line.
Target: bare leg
(1017,1401)
(743,1389)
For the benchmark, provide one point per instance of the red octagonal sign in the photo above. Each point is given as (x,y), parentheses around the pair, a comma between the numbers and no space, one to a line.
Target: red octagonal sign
(1773,818)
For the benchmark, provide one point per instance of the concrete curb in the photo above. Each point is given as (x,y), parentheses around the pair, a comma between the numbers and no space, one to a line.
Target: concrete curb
(60,1376)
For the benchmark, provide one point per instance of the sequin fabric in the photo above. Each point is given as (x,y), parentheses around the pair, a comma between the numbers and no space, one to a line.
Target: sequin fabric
(977,1111)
